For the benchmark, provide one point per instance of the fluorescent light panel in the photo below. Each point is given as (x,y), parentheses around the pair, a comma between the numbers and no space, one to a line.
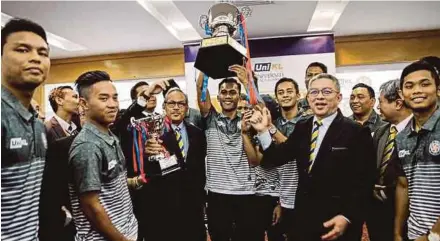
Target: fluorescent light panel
(167,13)
(53,39)
(326,15)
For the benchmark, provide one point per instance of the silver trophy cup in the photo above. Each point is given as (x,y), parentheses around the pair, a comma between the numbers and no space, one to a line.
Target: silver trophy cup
(221,50)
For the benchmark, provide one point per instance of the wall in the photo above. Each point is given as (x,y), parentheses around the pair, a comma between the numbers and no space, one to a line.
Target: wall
(350,51)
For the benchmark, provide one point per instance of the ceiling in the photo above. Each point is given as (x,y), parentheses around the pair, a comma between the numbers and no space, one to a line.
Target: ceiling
(106,27)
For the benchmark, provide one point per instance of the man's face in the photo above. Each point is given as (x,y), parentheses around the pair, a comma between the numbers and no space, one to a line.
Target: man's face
(69,102)
(323,97)
(152,102)
(419,91)
(312,72)
(102,104)
(25,60)
(361,102)
(286,95)
(387,109)
(242,106)
(176,107)
(228,96)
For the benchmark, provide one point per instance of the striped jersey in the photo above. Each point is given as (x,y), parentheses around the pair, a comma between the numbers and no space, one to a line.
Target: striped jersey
(97,164)
(227,167)
(419,155)
(23,157)
(289,171)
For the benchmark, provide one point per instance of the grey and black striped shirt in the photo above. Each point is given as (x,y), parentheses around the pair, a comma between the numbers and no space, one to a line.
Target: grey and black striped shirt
(227,167)
(419,155)
(23,157)
(97,164)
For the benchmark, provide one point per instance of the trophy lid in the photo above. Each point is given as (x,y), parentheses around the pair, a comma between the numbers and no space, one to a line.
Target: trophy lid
(223,14)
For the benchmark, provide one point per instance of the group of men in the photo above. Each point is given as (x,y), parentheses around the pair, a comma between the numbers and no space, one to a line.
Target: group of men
(309,174)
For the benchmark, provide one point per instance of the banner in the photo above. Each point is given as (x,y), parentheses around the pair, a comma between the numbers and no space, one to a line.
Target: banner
(272,59)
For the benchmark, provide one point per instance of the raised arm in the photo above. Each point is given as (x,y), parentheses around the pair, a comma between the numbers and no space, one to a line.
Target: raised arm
(204,107)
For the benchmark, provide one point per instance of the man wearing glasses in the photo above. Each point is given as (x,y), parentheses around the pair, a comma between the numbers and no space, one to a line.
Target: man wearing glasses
(173,204)
(333,156)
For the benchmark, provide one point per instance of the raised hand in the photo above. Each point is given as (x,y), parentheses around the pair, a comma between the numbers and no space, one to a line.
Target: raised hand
(245,120)
(153,147)
(259,119)
(155,88)
(241,73)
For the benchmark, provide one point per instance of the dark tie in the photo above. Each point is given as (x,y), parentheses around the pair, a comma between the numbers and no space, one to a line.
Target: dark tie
(313,142)
(388,151)
(180,141)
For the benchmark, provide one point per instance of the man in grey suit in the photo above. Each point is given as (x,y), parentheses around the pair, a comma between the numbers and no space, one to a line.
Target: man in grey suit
(380,219)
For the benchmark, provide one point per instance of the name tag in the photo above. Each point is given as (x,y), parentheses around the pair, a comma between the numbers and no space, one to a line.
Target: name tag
(339,148)
(166,163)
(112,164)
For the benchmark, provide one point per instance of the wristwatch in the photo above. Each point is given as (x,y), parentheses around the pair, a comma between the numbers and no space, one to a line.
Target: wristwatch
(272,130)
(433,236)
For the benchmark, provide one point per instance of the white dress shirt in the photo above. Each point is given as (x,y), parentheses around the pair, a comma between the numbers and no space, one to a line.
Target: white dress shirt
(66,125)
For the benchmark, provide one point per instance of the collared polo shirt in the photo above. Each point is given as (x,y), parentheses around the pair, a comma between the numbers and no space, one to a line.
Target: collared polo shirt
(23,156)
(97,163)
(419,155)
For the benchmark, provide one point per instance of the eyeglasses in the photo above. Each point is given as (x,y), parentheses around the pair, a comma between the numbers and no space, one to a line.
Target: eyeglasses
(325,92)
(171,104)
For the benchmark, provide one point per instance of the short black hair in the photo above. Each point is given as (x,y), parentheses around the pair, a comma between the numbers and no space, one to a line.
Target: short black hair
(318,64)
(434,61)
(133,93)
(57,92)
(88,79)
(282,80)
(230,80)
(243,96)
(420,65)
(21,25)
(370,90)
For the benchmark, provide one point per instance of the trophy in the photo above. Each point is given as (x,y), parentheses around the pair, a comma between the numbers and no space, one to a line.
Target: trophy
(221,50)
(153,126)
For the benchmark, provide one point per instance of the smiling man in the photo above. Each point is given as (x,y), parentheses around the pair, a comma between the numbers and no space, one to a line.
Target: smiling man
(418,148)
(98,189)
(25,65)
(335,166)
(362,101)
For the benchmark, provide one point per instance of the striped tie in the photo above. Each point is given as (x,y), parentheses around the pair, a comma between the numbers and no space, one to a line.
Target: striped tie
(313,143)
(388,151)
(180,142)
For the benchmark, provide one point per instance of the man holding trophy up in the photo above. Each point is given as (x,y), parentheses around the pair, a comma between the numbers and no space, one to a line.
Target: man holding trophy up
(230,179)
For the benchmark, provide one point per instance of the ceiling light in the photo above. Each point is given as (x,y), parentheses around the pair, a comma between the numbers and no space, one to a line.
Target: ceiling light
(167,13)
(52,39)
(326,15)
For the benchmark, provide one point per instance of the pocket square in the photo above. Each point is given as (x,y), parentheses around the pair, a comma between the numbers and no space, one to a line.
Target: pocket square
(339,148)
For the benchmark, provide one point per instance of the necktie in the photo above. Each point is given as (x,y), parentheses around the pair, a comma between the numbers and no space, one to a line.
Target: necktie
(388,151)
(313,143)
(180,141)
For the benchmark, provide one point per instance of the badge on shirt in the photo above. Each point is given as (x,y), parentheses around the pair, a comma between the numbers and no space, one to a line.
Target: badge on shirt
(434,148)
(44,140)
(17,143)
(403,153)
(112,164)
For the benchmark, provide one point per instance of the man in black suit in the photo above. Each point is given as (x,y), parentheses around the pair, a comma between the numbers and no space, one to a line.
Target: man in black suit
(173,203)
(335,164)
(380,218)
(64,102)
(55,216)
(55,195)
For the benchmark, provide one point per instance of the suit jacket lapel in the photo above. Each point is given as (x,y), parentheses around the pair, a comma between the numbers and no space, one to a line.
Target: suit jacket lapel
(57,128)
(332,134)
(381,145)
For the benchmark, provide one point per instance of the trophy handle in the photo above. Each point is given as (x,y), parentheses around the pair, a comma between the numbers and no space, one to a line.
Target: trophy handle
(246,11)
(202,21)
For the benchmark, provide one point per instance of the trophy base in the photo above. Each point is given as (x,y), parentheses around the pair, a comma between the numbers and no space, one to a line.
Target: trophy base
(217,54)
